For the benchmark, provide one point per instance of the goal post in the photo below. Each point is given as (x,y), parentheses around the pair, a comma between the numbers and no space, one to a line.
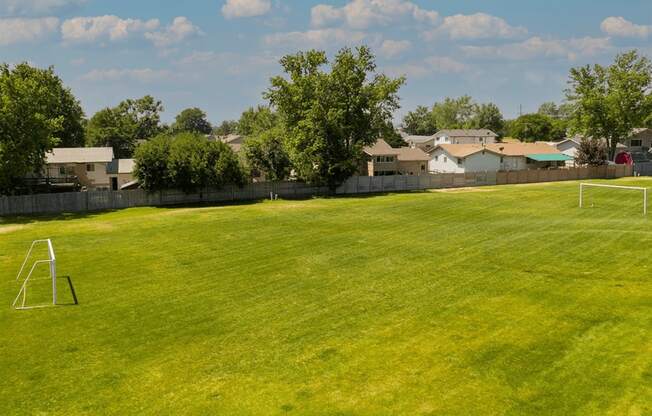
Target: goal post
(51,262)
(628,188)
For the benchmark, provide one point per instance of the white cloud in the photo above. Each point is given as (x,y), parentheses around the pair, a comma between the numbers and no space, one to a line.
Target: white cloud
(537,47)
(429,66)
(475,26)
(445,65)
(17,30)
(139,75)
(319,38)
(392,48)
(360,14)
(180,29)
(91,29)
(245,8)
(621,27)
(15,7)
(227,62)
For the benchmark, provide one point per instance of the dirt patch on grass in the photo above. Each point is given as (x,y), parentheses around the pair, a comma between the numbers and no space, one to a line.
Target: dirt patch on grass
(462,190)
(11,228)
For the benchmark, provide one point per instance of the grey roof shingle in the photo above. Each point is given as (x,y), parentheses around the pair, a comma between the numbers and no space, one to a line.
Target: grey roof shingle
(80,155)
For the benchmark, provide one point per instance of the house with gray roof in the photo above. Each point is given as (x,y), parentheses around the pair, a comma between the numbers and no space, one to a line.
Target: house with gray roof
(452,136)
(86,166)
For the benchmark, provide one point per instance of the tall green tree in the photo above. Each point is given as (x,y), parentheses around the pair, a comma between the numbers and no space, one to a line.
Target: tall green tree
(192,120)
(256,120)
(123,126)
(488,116)
(419,122)
(611,101)
(226,127)
(36,113)
(532,127)
(186,161)
(454,113)
(330,116)
(266,155)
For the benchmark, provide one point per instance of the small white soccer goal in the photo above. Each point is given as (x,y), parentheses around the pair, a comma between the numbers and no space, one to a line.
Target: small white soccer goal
(628,188)
(52,265)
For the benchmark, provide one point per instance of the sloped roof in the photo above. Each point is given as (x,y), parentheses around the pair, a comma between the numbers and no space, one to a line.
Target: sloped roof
(418,139)
(466,133)
(464,150)
(522,149)
(80,155)
(380,148)
(408,154)
(118,166)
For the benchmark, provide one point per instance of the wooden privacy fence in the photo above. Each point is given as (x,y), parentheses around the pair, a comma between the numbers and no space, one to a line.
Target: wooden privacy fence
(106,200)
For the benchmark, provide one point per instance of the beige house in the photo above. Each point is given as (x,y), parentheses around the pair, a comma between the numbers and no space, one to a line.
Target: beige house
(235,141)
(640,141)
(455,136)
(383,160)
(84,165)
(120,173)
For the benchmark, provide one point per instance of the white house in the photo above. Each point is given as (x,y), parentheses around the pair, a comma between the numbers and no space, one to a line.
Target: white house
(569,147)
(461,158)
(120,173)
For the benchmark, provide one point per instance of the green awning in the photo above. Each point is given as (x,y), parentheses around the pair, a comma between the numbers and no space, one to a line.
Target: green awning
(549,157)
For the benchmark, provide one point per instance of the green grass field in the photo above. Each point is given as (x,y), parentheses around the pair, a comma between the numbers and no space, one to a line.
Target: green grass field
(491,301)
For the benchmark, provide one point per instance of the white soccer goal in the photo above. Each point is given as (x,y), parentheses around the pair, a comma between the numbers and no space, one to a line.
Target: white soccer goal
(52,265)
(628,188)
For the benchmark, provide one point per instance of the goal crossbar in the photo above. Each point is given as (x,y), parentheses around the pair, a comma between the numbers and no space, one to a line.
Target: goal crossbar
(628,188)
(51,261)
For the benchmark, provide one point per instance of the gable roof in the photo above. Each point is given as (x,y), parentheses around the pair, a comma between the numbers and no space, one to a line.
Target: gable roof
(418,139)
(79,155)
(118,166)
(380,148)
(522,149)
(466,133)
(464,150)
(409,154)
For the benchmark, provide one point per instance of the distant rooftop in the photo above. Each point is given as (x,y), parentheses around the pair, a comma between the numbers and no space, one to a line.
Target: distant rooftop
(466,133)
(80,155)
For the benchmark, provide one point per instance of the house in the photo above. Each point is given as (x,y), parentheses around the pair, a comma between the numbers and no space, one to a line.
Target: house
(84,165)
(468,136)
(639,143)
(458,136)
(120,172)
(569,147)
(382,160)
(462,158)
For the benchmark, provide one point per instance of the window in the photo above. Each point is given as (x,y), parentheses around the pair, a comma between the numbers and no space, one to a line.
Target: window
(423,167)
(90,167)
(460,161)
(636,142)
(62,170)
(445,159)
(436,158)
(502,159)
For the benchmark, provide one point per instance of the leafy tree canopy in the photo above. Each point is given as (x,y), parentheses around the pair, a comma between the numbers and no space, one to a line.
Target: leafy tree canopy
(591,152)
(187,161)
(257,120)
(609,102)
(192,120)
(227,127)
(36,113)
(532,127)
(330,116)
(266,155)
(122,127)
(419,122)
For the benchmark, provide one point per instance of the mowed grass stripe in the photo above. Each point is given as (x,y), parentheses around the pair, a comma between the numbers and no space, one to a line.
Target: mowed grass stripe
(493,301)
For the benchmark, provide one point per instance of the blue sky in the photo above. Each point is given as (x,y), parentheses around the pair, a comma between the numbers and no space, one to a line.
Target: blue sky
(219,54)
